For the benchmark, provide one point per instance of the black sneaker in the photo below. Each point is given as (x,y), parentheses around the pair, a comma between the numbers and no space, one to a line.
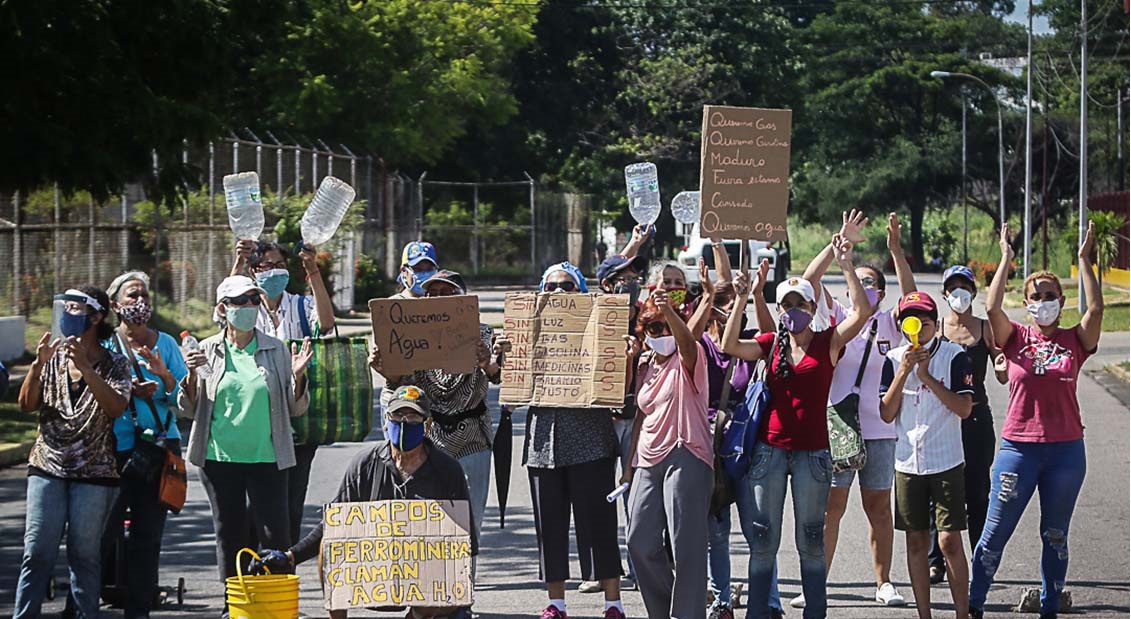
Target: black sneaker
(776,613)
(977,614)
(938,574)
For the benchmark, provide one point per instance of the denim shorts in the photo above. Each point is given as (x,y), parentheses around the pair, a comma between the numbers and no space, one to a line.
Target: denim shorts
(878,472)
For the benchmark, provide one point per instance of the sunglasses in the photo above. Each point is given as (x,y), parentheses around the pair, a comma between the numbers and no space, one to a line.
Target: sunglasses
(656,329)
(868,282)
(563,286)
(244,299)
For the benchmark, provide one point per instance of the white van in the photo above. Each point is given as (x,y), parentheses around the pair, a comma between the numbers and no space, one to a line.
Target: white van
(699,247)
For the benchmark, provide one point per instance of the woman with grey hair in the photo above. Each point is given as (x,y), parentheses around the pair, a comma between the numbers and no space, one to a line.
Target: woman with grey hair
(157,368)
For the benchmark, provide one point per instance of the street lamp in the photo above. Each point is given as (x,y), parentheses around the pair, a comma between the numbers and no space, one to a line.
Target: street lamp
(1000,146)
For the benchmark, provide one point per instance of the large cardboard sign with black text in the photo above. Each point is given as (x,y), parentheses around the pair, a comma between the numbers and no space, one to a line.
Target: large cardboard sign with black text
(566,350)
(396,553)
(744,172)
(436,333)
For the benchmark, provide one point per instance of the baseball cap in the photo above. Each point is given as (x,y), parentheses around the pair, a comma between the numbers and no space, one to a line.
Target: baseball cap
(618,262)
(236,285)
(917,301)
(418,251)
(959,270)
(410,397)
(446,276)
(799,285)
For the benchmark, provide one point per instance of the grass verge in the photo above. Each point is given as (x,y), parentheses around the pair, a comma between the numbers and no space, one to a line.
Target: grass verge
(16,426)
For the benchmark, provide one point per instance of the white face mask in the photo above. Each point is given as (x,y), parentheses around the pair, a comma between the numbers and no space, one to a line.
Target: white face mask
(664,346)
(959,300)
(1044,313)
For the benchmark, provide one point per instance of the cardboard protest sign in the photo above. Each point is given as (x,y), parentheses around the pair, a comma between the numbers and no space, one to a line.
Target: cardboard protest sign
(436,333)
(567,350)
(402,553)
(744,172)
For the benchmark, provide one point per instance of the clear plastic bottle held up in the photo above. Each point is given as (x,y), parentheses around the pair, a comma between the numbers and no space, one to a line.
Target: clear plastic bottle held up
(685,207)
(189,344)
(643,186)
(326,210)
(245,205)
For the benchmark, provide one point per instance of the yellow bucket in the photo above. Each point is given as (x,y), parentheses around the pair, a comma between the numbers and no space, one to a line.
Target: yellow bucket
(272,596)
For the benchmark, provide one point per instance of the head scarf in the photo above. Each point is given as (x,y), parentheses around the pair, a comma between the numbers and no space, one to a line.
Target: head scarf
(574,273)
(120,281)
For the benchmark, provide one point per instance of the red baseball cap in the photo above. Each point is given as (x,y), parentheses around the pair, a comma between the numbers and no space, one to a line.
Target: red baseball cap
(918,302)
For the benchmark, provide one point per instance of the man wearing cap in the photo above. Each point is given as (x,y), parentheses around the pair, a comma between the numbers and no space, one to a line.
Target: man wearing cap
(406,465)
(418,263)
(927,389)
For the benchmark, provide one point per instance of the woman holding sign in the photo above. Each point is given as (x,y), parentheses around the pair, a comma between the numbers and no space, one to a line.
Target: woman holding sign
(793,440)
(570,455)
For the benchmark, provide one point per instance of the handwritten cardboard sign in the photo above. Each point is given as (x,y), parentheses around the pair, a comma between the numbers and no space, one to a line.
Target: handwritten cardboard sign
(744,172)
(566,350)
(436,333)
(396,553)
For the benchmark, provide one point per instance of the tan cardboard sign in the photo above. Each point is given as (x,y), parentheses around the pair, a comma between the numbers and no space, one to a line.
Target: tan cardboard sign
(437,333)
(396,553)
(566,350)
(744,172)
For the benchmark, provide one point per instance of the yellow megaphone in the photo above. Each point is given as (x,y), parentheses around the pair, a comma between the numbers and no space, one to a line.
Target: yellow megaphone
(912,326)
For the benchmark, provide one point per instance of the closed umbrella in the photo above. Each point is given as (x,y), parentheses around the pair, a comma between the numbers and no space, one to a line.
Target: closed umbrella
(503,449)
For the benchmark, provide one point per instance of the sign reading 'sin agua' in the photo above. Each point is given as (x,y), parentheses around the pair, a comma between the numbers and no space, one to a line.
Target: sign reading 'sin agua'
(744,173)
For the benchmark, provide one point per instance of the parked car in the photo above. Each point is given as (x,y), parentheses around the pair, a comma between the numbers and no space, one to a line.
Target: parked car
(698,247)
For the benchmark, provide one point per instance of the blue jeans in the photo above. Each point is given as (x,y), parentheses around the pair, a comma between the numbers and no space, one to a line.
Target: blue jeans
(80,508)
(809,475)
(1056,470)
(718,550)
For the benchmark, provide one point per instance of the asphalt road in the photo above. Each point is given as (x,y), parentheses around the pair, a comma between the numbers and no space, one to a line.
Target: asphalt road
(508,565)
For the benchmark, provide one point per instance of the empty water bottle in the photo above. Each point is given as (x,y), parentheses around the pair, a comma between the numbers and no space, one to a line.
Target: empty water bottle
(326,210)
(189,344)
(643,192)
(245,205)
(685,207)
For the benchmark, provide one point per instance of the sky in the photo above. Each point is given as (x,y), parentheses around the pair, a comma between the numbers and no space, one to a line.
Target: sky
(1021,16)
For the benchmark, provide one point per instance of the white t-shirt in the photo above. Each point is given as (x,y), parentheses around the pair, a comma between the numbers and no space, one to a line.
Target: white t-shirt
(872,426)
(290,325)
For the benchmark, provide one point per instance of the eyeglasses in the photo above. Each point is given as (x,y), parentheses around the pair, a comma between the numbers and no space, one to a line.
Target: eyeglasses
(409,417)
(563,286)
(244,299)
(627,279)
(267,266)
(656,329)
(868,282)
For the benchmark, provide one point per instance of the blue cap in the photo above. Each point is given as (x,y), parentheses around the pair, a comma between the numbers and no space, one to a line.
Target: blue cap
(417,252)
(617,263)
(960,271)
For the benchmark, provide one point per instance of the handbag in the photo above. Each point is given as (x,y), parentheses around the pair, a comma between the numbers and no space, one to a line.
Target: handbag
(341,393)
(722,493)
(846,442)
(150,461)
(741,435)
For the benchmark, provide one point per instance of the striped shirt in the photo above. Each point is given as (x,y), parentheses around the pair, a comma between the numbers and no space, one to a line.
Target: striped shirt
(929,435)
(290,318)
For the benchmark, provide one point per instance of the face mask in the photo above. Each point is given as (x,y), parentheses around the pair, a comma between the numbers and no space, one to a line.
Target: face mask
(1045,312)
(873,296)
(243,318)
(418,278)
(138,314)
(273,282)
(405,436)
(959,300)
(664,346)
(796,319)
(632,289)
(677,296)
(74,325)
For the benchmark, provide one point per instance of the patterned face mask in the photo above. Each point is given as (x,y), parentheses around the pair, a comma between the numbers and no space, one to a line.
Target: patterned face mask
(137,314)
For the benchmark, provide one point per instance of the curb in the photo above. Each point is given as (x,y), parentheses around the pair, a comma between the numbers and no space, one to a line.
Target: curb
(1118,372)
(13,454)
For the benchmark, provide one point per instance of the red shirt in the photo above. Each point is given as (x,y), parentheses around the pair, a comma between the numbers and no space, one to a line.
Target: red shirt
(798,404)
(1042,385)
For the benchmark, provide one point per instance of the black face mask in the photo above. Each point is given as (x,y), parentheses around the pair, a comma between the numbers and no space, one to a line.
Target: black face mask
(632,289)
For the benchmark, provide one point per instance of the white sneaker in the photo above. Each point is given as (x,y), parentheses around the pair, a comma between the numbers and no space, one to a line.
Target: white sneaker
(888,596)
(798,602)
(589,586)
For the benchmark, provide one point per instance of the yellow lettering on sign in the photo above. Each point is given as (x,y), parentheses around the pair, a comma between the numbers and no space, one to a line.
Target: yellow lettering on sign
(397,509)
(360,597)
(330,517)
(417,510)
(437,512)
(356,514)
(334,577)
(381,550)
(351,551)
(414,594)
(366,550)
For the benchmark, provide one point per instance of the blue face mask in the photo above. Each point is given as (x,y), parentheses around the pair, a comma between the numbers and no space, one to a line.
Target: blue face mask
(273,282)
(406,436)
(74,325)
(418,278)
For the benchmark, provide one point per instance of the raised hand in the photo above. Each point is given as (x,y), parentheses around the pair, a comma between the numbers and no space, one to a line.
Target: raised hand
(763,276)
(1089,244)
(45,349)
(852,225)
(842,250)
(300,357)
(151,360)
(741,284)
(895,245)
(631,347)
(641,232)
(309,258)
(705,278)
(375,361)
(1004,244)
(76,356)
(483,355)
(661,299)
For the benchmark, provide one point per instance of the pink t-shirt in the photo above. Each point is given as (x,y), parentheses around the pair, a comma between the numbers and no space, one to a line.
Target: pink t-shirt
(1042,385)
(674,405)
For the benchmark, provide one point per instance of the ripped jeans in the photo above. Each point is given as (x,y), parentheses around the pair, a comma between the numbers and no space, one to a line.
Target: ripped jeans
(809,475)
(1056,471)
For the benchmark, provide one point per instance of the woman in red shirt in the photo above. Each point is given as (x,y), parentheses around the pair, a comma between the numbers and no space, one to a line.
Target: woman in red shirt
(793,443)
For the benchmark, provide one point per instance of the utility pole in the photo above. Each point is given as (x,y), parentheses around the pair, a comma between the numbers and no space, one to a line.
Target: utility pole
(1029,146)
(1083,206)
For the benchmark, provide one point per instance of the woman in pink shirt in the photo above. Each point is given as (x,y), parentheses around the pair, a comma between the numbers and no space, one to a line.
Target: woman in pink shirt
(1042,442)
(673,474)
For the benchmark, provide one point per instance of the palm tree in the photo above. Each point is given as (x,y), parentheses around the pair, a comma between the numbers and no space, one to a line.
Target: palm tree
(1107,227)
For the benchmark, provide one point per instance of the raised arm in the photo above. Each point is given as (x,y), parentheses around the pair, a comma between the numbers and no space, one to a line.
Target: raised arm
(732,345)
(722,259)
(1000,324)
(852,226)
(686,345)
(761,309)
(861,309)
(322,304)
(244,249)
(640,235)
(899,259)
(1088,331)
(31,391)
(699,320)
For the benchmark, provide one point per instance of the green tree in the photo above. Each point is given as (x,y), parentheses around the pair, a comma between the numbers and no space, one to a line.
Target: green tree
(1106,228)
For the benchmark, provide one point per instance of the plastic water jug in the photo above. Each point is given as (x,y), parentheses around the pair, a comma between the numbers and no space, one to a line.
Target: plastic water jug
(326,210)
(245,205)
(685,207)
(643,192)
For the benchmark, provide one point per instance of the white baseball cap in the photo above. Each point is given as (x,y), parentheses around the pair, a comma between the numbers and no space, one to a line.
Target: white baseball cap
(796,284)
(236,285)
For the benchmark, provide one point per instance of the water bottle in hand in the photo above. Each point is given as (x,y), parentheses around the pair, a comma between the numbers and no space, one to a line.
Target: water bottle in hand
(643,192)
(326,210)
(685,207)
(189,344)
(245,205)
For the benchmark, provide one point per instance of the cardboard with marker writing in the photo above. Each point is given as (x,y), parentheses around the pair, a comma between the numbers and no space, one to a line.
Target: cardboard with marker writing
(402,553)
(744,172)
(435,333)
(567,350)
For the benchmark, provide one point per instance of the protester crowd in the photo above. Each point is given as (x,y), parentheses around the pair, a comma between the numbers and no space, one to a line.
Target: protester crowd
(911,378)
